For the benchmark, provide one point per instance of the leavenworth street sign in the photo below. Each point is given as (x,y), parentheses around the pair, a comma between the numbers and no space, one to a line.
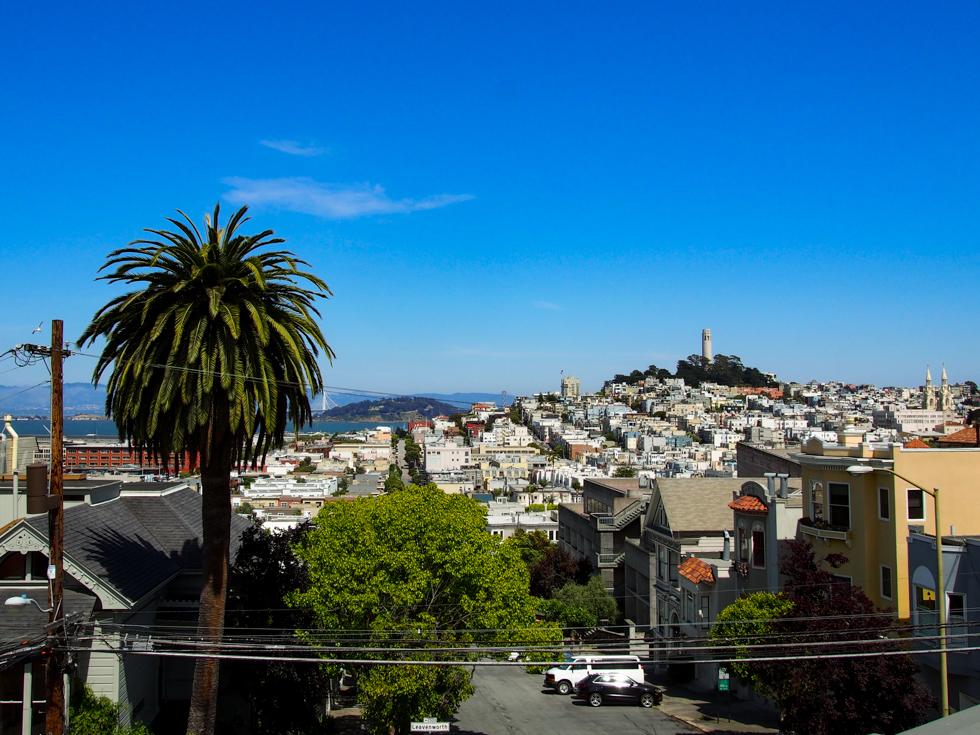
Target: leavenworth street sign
(429,724)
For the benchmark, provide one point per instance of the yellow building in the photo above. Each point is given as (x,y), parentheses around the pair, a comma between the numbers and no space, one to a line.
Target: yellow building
(866,517)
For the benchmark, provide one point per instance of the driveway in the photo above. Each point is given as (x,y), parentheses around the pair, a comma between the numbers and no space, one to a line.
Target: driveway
(510,702)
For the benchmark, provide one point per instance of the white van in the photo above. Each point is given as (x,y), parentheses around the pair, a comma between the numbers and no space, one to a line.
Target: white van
(564,678)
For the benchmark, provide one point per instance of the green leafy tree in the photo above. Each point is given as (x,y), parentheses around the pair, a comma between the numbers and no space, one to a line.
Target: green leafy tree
(413,455)
(565,615)
(212,354)
(343,484)
(91,715)
(591,596)
(748,621)
(417,569)
(531,546)
(245,509)
(394,483)
(625,470)
(576,484)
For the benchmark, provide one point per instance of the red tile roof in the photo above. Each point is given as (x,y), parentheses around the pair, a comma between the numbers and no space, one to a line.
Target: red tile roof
(696,570)
(916,444)
(748,504)
(966,437)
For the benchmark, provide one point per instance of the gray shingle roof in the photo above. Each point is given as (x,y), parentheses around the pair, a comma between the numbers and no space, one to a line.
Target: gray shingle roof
(135,544)
(698,504)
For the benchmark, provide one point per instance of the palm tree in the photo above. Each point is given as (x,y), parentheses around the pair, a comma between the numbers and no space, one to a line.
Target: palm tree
(212,355)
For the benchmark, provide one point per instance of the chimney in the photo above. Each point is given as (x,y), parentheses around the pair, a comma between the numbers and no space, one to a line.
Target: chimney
(783,485)
(726,554)
(770,484)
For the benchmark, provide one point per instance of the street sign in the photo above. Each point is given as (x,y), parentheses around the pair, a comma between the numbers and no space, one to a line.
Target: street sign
(723,679)
(430,726)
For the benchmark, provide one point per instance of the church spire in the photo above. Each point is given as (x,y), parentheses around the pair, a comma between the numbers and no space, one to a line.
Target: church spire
(928,376)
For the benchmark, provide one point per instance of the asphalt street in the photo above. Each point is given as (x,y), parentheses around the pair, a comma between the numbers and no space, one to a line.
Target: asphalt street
(509,701)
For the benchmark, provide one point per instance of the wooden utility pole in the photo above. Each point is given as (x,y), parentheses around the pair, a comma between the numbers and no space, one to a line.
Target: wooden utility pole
(54,673)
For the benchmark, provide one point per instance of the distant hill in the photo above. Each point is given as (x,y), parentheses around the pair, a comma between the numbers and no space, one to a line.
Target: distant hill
(79,398)
(388,409)
(724,370)
(86,398)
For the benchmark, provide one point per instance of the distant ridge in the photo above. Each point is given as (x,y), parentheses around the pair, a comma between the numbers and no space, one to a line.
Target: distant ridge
(85,398)
(388,409)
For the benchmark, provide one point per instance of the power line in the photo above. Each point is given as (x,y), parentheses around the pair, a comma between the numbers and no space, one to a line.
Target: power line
(43,382)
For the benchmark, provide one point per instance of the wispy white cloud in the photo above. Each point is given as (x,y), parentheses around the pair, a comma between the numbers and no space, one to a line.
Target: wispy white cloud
(331,201)
(545,305)
(294,148)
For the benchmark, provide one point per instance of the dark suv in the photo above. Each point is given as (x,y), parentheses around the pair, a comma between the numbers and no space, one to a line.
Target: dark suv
(599,689)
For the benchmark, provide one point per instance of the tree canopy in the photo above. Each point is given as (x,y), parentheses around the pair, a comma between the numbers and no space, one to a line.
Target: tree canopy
(417,569)
(723,369)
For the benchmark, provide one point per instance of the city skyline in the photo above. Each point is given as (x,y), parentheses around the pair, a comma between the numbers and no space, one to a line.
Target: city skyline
(496,195)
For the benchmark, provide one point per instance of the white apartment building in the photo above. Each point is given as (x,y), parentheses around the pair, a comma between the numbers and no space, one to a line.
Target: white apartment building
(910,420)
(446,457)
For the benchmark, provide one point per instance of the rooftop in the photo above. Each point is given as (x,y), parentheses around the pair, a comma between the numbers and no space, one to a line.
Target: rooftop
(696,570)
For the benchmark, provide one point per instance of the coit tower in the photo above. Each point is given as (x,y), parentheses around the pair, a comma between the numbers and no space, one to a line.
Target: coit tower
(706,345)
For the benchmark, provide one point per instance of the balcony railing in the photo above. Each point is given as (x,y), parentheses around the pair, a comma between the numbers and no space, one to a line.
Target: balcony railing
(611,560)
(623,518)
(824,533)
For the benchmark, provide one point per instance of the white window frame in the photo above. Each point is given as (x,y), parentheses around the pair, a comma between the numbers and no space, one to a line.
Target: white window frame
(888,500)
(960,629)
(814,484)
(925,514)
(881,581)
(829,507)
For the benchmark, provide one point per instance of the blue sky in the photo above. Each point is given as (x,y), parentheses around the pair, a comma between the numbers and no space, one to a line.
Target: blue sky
(499,192)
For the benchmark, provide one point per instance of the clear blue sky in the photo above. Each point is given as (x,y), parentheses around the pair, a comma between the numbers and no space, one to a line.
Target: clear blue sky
(502,192)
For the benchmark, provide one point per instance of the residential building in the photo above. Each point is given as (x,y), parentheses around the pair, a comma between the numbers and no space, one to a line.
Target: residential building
(570,387)
(503,520)
(756,461)
(132,557)
(445,457)
(597,528)
(684,517)
(766,518)
(961,560)
(866,517)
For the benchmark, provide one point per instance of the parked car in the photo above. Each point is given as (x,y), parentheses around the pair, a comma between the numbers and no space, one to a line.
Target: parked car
(564,678)
(599,689)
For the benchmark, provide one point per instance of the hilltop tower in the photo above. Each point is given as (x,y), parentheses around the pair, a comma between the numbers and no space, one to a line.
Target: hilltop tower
(706,352)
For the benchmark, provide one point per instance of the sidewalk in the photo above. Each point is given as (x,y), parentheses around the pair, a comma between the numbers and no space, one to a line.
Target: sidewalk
(698,706)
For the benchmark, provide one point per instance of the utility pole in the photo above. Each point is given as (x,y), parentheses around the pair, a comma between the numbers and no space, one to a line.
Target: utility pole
(53,503)
(54,674)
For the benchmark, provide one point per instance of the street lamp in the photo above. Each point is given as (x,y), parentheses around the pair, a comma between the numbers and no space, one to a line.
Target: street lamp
(23,601)
(863,469)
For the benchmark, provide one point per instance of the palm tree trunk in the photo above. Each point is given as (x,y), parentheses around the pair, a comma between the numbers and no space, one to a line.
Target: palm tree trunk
(216,522)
